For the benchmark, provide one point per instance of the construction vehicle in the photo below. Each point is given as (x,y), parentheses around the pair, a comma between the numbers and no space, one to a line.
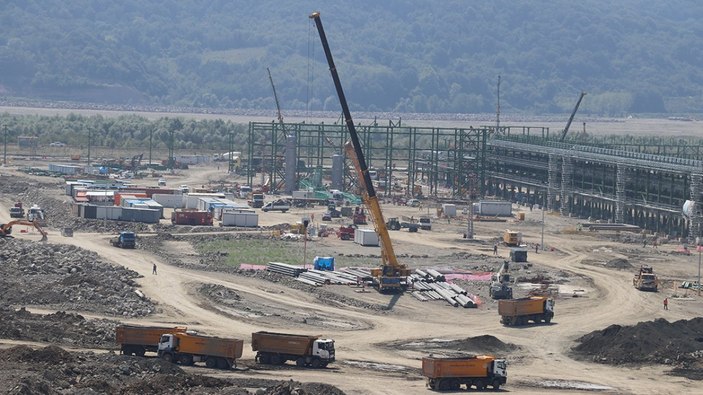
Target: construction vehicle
(571,118)
(257,200)
(500,283)
(511,238)
(187,348)
(16,212)
(645,279)
(278,348)
(35,213)
(124,240)
(425,223)
(6,229)
(137,340)
(278,205)
(391,276)
(359,216)
(332,210)
(480,371)
(393,224)
(514,312)
(346,232)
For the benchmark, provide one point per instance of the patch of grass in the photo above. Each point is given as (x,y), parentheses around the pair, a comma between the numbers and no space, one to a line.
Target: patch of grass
(256,252)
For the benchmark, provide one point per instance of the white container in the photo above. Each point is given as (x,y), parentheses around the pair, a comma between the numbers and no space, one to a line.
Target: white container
(449,210)
(240,218)
(365,237)
(497,208)
(169,200)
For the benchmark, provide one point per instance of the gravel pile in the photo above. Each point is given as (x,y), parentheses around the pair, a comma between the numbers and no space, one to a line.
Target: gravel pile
(66,277)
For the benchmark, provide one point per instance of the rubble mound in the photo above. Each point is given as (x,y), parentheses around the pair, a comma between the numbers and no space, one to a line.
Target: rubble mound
(677,343)
(67,278)
(52,370)
(58,328)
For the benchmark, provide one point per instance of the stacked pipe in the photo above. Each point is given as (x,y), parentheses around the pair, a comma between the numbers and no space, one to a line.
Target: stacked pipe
(315,278)
(451,293)
(285,269)
(334,277)
(436,276)
(362,274)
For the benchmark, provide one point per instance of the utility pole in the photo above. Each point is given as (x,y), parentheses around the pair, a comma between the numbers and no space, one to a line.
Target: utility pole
(498,105)
(4,152)
(699,249)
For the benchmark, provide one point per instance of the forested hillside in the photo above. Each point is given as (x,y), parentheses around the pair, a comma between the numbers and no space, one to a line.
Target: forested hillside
(631,56)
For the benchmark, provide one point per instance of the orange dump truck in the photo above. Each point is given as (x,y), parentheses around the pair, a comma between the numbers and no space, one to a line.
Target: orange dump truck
(137,340)
(520,311)
(277,348)
(476,370)
(187,348)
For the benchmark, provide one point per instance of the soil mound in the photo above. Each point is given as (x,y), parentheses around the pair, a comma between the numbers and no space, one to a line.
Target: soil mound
(484,344)
(618,263)
(677,343)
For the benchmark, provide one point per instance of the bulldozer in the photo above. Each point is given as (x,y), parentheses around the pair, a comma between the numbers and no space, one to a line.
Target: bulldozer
(645,279)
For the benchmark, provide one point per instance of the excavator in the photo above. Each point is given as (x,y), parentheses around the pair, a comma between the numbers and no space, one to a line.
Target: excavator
(6,229)
(391,277)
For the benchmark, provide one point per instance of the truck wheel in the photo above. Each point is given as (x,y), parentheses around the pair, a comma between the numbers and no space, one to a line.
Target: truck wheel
(454,384)
(300,362)
(480,385)
(265,359)
(211,363)
(168,357)
(323,365)
(548,319)
(186,360)
(316,363)
(442,385)
(495,385)
(222,363)
(275,359)
(140,352)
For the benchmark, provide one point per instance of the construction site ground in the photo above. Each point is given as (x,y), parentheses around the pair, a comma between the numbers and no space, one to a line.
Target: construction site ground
(380,339)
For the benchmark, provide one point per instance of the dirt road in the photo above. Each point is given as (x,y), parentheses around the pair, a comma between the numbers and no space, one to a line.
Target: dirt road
(365,366)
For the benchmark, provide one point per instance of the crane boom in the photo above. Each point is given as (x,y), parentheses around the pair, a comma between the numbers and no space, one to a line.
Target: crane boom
(388,278)
(275,96)
(571,118)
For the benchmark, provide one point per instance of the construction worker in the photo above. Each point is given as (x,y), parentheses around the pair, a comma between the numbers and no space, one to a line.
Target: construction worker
(153,270)
(536,248)
(495,249)
(666,303)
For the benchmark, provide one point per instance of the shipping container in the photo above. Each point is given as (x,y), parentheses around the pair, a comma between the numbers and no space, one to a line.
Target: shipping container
(90,211)
(494,208)
(449,210)
(169,200)
(365,237)
(143,215)
(240,218)
(192,198)
(191,217)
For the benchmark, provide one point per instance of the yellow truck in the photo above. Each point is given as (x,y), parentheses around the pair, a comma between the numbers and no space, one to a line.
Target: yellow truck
(512,238)
(277,348)
(480,371)
(137,340)
(645,279)
(521,311)
(187,348)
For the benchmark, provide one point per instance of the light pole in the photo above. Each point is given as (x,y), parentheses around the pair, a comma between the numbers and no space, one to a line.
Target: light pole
(698,248)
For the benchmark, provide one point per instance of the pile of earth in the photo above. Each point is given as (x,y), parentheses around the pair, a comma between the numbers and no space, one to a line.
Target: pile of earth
(677,343)
(62,328)
(67,277)
(618,263)
(52,370)
(483,344)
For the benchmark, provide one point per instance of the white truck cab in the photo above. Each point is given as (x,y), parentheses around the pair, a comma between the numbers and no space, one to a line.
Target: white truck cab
(500,368)
(323,348)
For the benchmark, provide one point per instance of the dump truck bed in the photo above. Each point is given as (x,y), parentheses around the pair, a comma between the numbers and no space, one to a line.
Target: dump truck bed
(524,306)
(211,346)
(470,366)
(144,336)
(282,343)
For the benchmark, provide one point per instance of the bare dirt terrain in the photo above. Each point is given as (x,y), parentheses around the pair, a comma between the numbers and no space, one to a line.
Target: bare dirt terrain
(378,337)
